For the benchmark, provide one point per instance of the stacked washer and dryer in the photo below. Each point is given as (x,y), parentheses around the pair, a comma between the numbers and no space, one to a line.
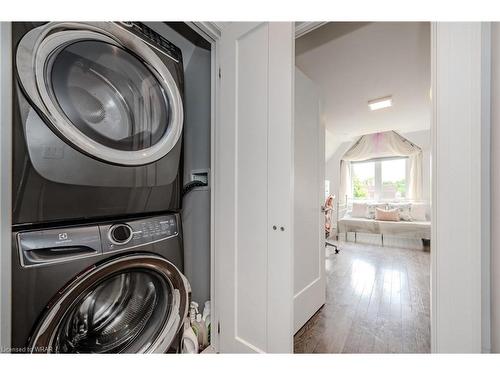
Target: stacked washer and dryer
(97,180)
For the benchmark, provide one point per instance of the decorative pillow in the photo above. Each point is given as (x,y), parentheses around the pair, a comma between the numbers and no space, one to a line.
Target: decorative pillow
(371,207)
(418,212)
(358,210)
(387,215)
(404,210)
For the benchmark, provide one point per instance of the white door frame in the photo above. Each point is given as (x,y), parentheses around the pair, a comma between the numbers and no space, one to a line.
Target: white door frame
(303,28)
(473,321)
(460,255)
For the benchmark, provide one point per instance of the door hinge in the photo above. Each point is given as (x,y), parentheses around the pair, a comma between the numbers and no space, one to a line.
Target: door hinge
(220,73)
(218,328)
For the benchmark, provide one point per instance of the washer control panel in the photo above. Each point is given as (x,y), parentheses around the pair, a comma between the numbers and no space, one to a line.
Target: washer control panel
(130,234)
(54,245)
(48,246)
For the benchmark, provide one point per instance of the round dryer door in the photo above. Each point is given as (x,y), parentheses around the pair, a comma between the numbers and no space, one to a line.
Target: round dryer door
(103,90)
(130,304)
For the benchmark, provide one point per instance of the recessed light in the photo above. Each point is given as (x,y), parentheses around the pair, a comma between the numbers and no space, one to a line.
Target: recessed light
(380,103)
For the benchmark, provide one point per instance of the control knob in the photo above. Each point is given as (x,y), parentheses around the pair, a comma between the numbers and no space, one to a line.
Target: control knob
(120,234)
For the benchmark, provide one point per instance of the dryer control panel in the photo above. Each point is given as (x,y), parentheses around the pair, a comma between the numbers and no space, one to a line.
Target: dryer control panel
(154,39)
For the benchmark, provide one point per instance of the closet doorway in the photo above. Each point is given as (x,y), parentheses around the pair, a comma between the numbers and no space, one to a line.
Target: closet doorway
(367,86)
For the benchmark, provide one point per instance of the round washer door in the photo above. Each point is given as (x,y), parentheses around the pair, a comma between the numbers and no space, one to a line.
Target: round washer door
(130,304)
(103,90)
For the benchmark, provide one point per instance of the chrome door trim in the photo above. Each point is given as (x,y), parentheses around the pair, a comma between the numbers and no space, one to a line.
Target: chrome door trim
(39,45)
(42,340)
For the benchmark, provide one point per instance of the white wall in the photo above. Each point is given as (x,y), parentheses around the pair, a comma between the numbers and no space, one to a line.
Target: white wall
(421,138)
(495,192)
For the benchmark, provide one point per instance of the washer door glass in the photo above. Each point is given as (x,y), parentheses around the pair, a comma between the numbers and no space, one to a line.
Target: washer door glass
(123,313)
(109,95)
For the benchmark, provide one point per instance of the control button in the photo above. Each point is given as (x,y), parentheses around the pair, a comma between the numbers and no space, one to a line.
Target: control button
(120,234)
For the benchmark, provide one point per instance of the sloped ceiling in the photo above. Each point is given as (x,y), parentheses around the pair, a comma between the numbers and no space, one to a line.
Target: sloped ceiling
(352,63)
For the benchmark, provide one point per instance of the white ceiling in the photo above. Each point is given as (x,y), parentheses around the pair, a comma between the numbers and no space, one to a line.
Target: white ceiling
(352,63)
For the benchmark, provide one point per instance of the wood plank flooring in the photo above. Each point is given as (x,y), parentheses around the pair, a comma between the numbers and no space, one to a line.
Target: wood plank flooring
(377,301)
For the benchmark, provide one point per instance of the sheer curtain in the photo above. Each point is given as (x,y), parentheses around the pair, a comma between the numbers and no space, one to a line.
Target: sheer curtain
(381,145)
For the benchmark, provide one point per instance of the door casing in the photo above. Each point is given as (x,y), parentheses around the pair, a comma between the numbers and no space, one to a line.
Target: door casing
(460,138)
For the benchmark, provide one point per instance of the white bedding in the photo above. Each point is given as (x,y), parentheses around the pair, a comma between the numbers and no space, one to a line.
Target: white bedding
(409,229)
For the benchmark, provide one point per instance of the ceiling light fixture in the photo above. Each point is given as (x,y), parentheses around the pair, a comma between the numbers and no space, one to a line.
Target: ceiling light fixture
(380,103)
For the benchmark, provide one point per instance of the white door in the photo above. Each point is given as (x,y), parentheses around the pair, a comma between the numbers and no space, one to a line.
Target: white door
(309,194)
(253,196)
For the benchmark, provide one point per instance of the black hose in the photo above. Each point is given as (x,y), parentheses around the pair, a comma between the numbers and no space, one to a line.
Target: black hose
(191,185)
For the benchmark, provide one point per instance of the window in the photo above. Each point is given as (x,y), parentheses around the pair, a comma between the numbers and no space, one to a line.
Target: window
(393,178)
(384,179)
(363,180)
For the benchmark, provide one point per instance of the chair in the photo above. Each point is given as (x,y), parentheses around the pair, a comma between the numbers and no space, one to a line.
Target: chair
(335,247)
(329,228)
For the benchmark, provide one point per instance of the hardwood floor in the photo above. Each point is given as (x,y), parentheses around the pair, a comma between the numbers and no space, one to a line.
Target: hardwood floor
(377,301)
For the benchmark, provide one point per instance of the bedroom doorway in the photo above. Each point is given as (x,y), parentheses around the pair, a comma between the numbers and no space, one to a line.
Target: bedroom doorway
(367,290)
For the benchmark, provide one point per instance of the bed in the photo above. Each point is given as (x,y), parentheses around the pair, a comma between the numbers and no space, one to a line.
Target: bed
(407,229)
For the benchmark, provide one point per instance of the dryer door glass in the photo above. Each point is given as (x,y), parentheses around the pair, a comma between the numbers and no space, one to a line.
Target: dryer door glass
(123,313)
(109,95)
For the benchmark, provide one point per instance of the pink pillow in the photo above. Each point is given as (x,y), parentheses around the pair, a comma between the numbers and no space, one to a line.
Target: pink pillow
(387,215)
